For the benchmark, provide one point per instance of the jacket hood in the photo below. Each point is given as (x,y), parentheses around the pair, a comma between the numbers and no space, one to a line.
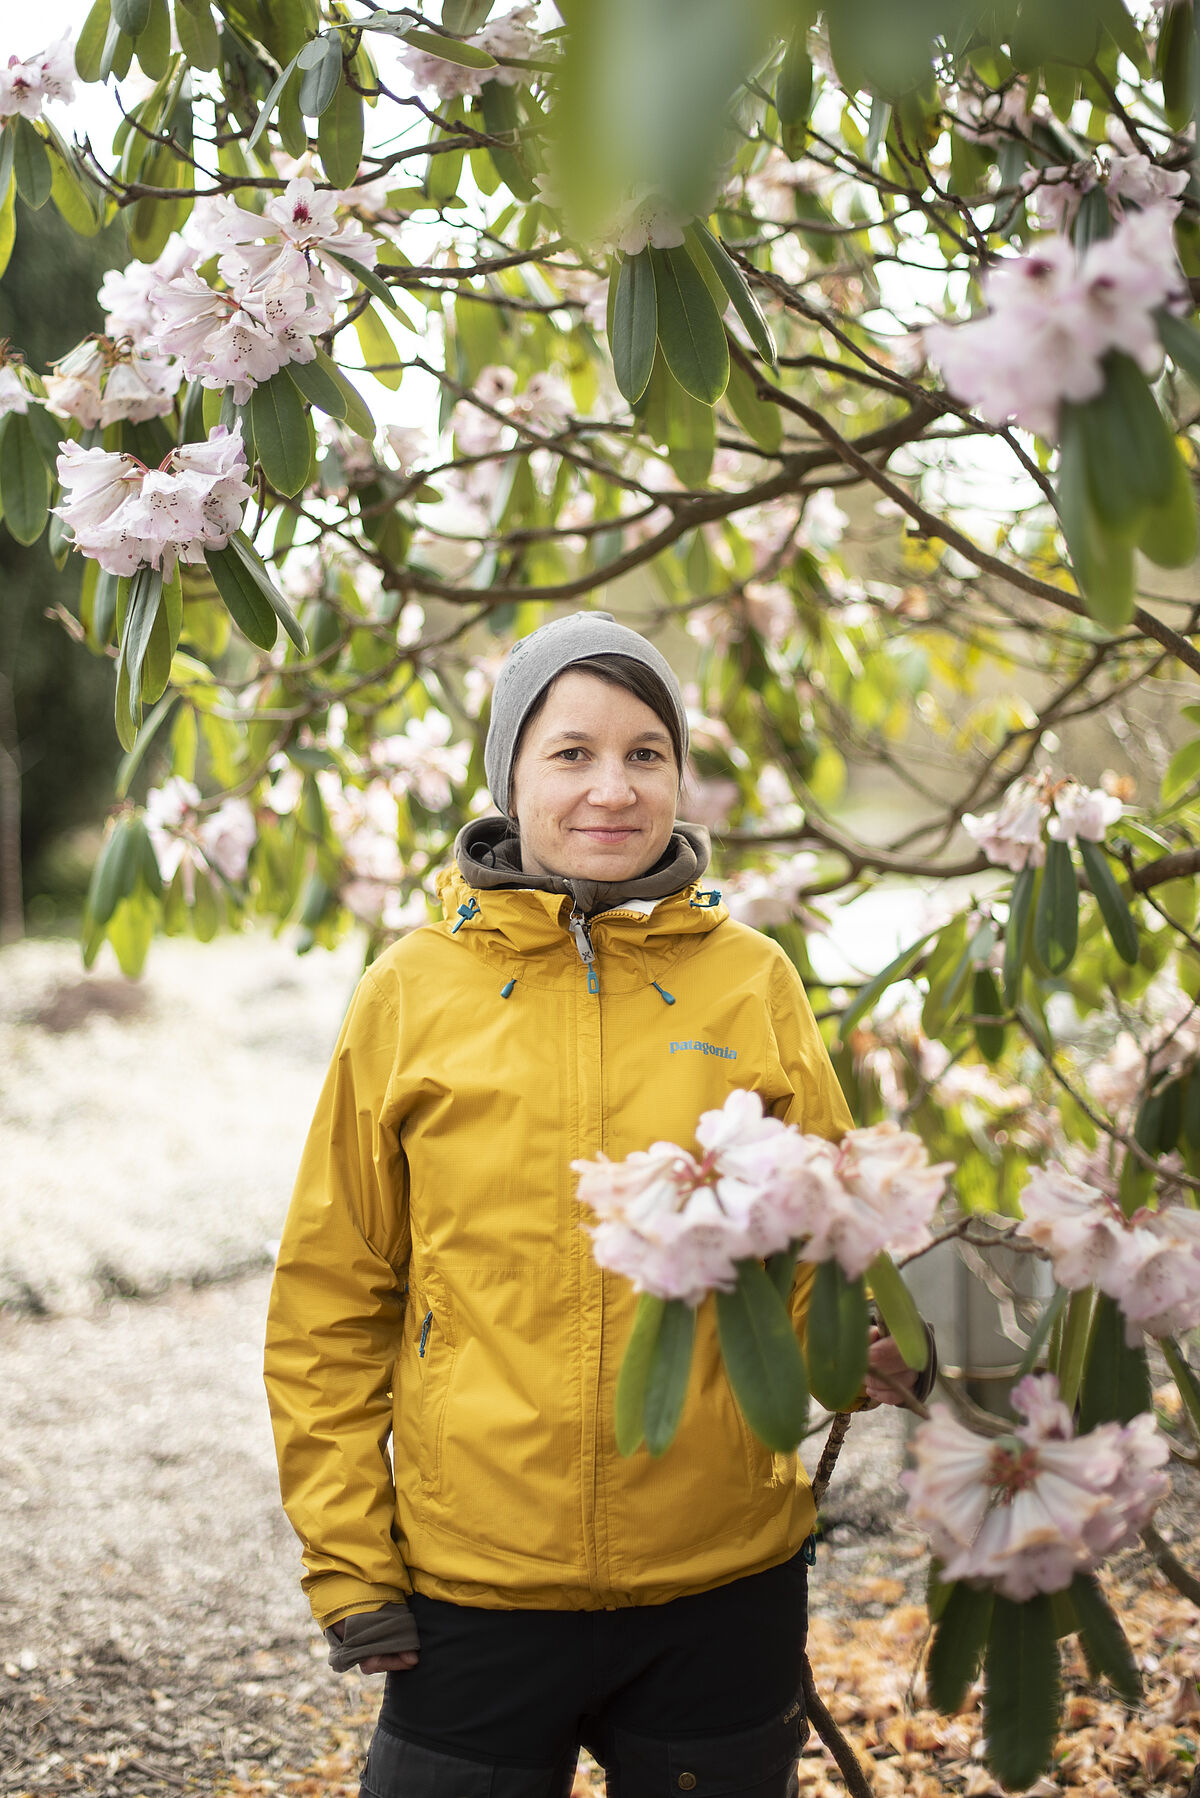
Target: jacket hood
(488,853)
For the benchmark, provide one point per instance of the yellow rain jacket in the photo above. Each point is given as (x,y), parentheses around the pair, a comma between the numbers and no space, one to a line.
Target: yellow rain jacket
(442,1349)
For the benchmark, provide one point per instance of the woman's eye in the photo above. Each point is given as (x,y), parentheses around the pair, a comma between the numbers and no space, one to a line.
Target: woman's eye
(569,755)
(647,755)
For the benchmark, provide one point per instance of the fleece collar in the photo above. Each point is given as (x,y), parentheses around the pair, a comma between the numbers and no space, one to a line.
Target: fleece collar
(488,852)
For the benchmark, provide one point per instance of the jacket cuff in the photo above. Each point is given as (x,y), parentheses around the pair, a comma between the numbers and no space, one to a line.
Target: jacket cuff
(392,1629)
(335,1595)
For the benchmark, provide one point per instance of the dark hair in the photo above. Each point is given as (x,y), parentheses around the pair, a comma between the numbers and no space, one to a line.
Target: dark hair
(618,671)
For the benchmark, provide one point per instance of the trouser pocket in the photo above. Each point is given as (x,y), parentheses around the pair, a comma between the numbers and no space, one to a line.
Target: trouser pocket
(753,1763)
(398,1768)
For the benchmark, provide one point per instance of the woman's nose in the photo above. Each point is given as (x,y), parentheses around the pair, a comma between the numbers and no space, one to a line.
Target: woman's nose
(611,785)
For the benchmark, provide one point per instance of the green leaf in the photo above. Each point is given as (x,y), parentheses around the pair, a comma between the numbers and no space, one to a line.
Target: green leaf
(836,1337)
(153,44)
(132,762)
(1021,1697)
(464,17)
(762,1359)
(1016,932)
(132,16)
(78,197)
(366,277)
(272,100)
(198,37)
(115,873)
(89,45)
(31,164)
(1185,1380)
(1040,1334)
(321,60)
(340,137)
(1105,1645)
(1181,340)
(8,144)
(1102,559)
(257,569)
(280,427)
(760,419)
(898,1309)
(1190,1114)
(1072,1355)
(502,119)
(734,283)
(781,1271)
(1168,533)
(8,226)
(358,417)
(957,1646)
(380,354)
(793,93)
(243,595)
(1157,1126)
(24,479)
(1183,770)
(1056,921)
(141,616)
(1116,1380)
(689,326)
(986,1003)
(874,990)
(318,387)
(635,1368)
(667,1375)
(634,332)
(1118,919)
(449,49)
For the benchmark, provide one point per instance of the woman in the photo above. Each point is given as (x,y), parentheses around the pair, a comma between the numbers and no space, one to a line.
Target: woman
(525,1587)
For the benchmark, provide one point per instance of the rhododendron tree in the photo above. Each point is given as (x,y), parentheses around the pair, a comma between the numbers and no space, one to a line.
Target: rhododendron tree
(848,349)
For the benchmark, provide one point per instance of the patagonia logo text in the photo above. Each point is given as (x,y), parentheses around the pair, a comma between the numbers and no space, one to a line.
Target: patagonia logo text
(705,1049)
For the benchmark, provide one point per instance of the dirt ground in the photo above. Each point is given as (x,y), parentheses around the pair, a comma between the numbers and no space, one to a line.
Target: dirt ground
(153,1638)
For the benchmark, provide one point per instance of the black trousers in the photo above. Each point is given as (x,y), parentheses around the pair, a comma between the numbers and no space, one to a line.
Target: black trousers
(702,1695)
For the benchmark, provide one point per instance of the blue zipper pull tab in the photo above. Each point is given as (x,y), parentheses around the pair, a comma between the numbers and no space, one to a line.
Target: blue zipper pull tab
(577,924)
(425,1329)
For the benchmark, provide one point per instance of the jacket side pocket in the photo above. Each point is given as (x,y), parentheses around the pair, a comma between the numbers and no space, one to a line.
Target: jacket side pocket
(435,1353)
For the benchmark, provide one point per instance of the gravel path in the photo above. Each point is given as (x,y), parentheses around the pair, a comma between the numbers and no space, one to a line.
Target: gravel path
(153,1638)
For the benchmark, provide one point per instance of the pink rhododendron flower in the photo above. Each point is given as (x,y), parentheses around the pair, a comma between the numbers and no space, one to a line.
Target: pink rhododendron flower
(50,75)
(1140,182)
(14,395)
(1148,1263)
(510,36)
(227,836)
(678,1225)
(1083,812)
(422,760)
(1053,316)
(1012,837)
(1028,1511)
(125,292)
(100,382)
(127,516)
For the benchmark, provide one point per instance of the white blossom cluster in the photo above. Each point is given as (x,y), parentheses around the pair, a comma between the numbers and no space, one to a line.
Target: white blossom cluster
(183,836)
(1148,1263)
(1025,1513)
(127,516)
(101,381)
(509,37)
(1053,315)
(1013,836)
(26,84)
(677,1225)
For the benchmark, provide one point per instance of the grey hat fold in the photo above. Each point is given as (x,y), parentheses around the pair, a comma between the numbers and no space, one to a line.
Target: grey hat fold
(536,660)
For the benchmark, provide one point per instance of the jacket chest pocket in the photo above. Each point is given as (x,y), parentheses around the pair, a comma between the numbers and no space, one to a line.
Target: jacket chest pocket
(435,1353)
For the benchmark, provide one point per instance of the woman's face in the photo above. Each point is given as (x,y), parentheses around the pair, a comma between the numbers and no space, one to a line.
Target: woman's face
(595,783)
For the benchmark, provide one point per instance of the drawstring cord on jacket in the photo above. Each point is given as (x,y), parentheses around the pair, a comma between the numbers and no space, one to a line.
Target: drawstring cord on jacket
(465,914)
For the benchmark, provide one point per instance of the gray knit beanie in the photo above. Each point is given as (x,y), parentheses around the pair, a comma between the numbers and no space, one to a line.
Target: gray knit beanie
(534,661)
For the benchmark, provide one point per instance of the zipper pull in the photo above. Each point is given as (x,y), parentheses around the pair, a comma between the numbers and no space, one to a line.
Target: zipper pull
(578,926)
(425,1329)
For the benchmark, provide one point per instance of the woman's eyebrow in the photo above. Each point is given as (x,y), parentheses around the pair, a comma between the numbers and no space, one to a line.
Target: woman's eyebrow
(583,736)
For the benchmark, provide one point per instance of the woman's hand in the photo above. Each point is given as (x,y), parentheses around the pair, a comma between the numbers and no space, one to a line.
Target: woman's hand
(381,1663)
(884,1358)
(388,1663)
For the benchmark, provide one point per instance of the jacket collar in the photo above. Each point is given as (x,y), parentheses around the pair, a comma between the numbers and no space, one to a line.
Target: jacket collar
(631,928)
(488,852)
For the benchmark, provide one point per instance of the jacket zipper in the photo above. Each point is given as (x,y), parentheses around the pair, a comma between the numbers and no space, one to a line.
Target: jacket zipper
(577,924)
